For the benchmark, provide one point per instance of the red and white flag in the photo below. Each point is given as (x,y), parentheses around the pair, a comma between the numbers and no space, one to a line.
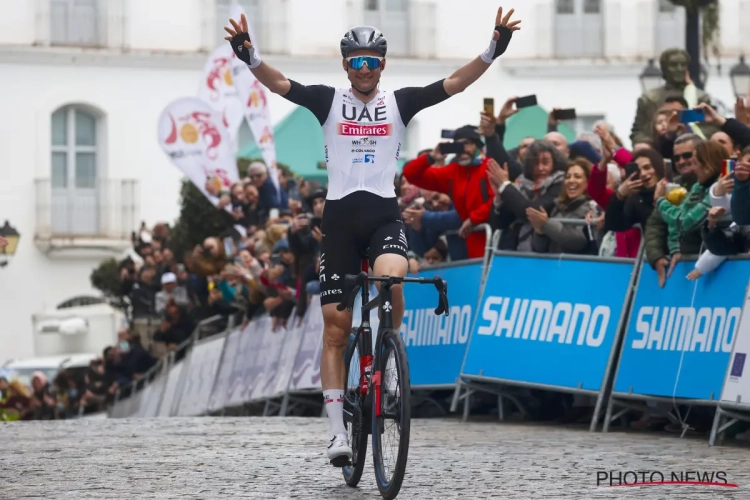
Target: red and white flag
(191,133)
(217,89)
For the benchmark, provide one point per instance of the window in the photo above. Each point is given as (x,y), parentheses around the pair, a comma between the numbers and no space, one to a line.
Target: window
(579,28)
(670,27)
(75,22)
(252,13)
(392,18)
(592,7)
(74,175)
(585,123)
(565,7)
(666,6)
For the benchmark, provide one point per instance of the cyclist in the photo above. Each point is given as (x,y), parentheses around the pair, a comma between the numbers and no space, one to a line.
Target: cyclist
(363,128)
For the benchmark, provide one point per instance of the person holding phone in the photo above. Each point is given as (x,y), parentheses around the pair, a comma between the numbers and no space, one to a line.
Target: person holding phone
(464,179)
(633,201)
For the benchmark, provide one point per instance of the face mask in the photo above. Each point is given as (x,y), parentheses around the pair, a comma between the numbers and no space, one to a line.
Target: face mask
(125,346)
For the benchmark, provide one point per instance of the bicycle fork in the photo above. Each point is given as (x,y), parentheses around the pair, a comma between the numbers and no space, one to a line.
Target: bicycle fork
(368,379)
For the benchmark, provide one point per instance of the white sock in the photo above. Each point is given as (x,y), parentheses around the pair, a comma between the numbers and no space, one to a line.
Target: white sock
(334,404)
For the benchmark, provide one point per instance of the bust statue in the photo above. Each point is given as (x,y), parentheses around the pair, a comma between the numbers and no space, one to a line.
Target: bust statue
(674,69)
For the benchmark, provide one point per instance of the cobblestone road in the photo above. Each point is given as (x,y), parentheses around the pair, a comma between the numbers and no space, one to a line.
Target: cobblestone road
(283,458)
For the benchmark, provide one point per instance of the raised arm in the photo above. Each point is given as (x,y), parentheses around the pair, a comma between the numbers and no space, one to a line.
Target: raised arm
(470,73)
(244,49)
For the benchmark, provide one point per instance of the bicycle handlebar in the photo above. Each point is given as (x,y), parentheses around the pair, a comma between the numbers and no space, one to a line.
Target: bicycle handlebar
(353,283)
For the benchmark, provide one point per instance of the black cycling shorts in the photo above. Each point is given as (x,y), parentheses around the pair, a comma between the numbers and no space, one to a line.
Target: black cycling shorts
(358,225)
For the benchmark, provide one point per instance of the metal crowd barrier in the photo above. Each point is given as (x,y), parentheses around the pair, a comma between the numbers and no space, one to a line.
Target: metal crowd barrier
(577,324)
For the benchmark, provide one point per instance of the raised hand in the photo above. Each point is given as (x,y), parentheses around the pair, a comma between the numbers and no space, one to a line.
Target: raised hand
(504,29)
(239,38)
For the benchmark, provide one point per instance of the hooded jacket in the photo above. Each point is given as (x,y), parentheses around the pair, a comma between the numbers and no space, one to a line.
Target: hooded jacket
(468,188)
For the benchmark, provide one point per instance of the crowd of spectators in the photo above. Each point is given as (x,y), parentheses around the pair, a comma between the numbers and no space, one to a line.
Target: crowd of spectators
(682,190)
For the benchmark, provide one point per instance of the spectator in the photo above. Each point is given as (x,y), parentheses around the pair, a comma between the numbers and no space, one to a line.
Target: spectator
(658,254)
(726,242)
(43,403)
(268,197)
(538,187)
(430,217)
(143,293)
(176,327)
(464,179)
(170,290)
(685,219)
(634,199)
(305,236)
(554,236)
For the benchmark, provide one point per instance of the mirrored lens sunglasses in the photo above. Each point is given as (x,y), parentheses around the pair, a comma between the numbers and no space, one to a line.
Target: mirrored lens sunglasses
(356,62)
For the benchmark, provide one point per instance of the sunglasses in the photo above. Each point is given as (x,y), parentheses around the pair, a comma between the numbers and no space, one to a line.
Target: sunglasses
(683,156)
(256,176)
(356,62)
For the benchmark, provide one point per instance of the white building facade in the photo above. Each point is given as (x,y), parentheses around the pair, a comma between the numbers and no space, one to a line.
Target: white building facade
(84,81)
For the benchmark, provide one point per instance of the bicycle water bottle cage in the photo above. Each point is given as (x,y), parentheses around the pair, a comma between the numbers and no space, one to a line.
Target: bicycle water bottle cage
(442,288)
(352,286)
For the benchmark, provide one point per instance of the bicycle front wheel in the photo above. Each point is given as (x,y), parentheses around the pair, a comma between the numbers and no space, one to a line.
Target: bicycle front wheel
(390,430)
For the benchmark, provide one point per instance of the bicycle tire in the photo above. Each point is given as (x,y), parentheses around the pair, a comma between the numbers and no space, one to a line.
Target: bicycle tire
(358,440)
(389,489)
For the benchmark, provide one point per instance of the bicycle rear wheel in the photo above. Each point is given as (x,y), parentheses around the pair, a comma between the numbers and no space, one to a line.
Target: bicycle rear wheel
(354,419)
(390,430)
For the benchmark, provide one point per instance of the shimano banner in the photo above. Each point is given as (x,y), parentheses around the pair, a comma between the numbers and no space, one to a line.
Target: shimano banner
(436,345)
(679,338)
(548,321)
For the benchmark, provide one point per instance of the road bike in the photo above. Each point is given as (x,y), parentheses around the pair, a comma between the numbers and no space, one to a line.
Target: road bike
(385,370)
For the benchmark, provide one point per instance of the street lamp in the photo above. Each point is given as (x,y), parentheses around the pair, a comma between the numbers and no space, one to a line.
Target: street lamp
(10,235)
(651,77)
(740,75)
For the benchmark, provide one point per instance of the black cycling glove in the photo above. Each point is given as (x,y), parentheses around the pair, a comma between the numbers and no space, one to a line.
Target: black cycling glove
(497,47)
(248,56)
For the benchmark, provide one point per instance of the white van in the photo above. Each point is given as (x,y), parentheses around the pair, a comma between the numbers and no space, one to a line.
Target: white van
(49,365)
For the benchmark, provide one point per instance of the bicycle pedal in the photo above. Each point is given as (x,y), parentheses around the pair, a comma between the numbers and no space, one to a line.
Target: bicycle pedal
(342,461)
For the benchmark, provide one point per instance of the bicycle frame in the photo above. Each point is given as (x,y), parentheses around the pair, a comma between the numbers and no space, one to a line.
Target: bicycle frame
(383,301)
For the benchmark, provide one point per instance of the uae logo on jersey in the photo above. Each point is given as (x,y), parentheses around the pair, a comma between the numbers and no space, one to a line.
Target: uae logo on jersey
(354,128)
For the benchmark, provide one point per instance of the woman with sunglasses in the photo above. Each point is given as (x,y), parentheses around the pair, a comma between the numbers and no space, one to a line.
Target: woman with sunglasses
(364,129)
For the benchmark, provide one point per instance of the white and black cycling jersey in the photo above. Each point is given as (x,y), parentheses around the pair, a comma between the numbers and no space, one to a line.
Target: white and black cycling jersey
(363,141)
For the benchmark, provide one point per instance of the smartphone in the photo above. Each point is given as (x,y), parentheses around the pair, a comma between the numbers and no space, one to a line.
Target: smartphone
(630,169)
(565,114)
(727,166)
(668,168)
(447,134)
(273,213)
(228,245)
(692,115)
(489,105)
(316,222)
(526,101)
(275,259)
(451,148)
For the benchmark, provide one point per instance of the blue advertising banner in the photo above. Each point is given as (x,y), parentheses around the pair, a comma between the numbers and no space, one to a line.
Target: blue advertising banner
(548,321)
(436,345)
(679,338)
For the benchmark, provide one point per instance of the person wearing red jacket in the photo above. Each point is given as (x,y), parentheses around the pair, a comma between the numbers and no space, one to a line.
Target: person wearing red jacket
(464,179)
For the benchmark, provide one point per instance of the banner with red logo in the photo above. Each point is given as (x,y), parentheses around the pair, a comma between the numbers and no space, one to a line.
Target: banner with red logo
(217,89)
(191,133)
(253,97)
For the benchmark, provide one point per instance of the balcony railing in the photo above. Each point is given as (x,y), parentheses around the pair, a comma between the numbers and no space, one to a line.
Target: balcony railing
(108,209)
